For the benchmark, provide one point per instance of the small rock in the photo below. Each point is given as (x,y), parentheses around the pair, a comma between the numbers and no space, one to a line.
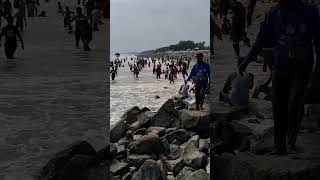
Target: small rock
(137,160)
(157,97)
(150,170)
(175,151)
(136,137)
(169,130)
(198,175)
(160,131)
(127,176)
(184,173)
(134,126)
(204,146)
(181,135)
(141,131)
(145,109)
(175,166)
(254,121)
(119,168)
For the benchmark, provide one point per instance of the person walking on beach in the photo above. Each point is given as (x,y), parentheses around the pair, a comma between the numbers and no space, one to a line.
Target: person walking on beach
(158,70)
(83,30)
(171,75)
(201,72)
(113,73)
(184,70)
(292,29)
(166,73)
(60,10)
(67,19)
(10,32)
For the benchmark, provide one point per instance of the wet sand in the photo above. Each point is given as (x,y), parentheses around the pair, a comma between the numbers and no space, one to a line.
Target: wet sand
(54,96)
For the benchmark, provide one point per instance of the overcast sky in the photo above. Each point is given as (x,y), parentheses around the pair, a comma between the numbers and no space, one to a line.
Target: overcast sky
(138,25)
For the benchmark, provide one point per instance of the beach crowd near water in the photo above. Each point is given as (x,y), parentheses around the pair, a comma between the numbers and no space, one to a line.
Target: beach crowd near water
(141,79)
(88,17)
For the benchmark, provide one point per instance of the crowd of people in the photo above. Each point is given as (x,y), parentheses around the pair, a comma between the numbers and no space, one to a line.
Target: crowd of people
(85,22)
(169,67)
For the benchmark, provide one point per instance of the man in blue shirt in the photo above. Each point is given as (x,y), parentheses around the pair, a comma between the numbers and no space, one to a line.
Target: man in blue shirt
(200,74)
(292,29)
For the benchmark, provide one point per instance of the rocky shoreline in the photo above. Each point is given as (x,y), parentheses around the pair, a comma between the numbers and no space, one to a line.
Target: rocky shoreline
(172,143)
(241,142)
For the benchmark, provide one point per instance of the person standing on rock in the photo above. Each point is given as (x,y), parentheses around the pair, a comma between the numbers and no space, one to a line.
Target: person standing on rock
(11,32)
(83,30)
(201,72)
(293,29)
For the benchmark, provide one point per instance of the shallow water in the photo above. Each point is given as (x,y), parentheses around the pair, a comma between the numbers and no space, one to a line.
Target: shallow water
(53,96)
(126,91)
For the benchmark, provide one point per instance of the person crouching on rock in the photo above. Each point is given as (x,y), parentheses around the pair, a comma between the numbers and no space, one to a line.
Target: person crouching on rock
(10,32)
(201,72)
(239,85)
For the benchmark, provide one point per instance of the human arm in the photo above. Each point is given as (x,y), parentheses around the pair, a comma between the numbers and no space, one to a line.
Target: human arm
(19,35)
(264,35)
(192,73)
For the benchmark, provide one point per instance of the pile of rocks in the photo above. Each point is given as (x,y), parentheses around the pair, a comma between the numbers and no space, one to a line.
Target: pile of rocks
(241,142)
(172,143)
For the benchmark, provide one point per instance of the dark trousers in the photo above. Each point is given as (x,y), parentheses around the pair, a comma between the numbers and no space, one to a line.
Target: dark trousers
(200,94)
(84,38)
(288,105)
(10,49)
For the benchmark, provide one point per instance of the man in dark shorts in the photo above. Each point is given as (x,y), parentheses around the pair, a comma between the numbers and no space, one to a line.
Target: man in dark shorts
(82,30)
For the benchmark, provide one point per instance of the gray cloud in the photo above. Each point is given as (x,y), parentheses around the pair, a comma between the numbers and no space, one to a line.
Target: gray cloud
(138,25)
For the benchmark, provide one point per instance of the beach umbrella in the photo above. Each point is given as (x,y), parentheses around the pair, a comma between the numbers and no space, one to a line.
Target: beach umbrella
(117,54)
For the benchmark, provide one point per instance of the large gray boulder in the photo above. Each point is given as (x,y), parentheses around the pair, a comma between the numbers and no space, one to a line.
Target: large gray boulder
(165,115)
(55,166)
(147,144)
(118,131)
(131,115)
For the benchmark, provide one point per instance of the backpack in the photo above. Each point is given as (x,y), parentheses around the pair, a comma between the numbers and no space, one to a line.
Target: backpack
(202,74)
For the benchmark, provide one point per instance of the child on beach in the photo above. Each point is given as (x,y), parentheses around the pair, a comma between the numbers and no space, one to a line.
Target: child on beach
(60,10)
